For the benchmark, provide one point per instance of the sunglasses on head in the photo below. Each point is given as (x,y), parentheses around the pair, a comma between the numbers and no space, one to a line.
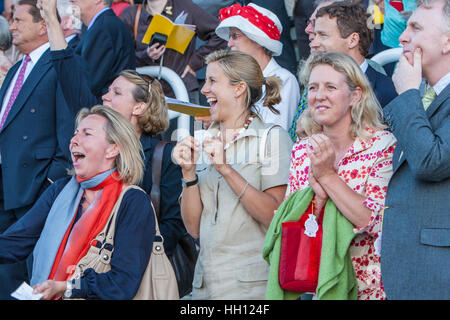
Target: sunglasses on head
(148,79)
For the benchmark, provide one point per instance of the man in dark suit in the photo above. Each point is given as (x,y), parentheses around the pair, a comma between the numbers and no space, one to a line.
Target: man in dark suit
(106,47)
(415,252)
(34,129)
(343,27)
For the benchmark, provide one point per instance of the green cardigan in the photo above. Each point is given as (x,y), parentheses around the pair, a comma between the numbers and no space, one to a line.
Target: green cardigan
(337,280)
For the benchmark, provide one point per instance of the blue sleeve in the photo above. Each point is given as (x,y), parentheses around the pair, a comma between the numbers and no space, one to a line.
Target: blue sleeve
(171,224)
(385,91)
(75,87)
(133,242)
(99,55)
(424,139)
(18,241)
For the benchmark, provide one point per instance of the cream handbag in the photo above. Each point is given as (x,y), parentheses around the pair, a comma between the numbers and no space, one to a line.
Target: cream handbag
(158,282)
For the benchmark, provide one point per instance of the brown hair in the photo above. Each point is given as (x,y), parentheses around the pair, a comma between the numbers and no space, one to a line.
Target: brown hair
(33,11)
(351,17)
(239,66)
(155,118)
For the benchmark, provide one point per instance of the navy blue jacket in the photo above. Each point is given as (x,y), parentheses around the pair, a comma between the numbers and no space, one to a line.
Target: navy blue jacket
(382,85)
(34,142)
(104,51)
(133,240)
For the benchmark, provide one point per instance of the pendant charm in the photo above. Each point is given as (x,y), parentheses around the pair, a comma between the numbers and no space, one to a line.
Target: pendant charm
(311,226)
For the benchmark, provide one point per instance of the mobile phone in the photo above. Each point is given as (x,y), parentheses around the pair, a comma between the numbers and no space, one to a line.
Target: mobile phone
(158,38)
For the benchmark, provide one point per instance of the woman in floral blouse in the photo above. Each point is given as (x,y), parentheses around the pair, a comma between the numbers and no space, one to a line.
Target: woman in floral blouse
(346,157)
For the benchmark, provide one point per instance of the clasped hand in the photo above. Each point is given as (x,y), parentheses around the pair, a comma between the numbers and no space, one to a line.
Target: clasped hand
(322,157)
(187,152)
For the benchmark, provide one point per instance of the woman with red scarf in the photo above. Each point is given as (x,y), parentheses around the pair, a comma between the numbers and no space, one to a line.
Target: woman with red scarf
(64,222)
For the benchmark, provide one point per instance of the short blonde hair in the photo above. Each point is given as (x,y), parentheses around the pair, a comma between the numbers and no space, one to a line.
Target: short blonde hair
(155,118)
(366,113)
(239,66)
(119,130)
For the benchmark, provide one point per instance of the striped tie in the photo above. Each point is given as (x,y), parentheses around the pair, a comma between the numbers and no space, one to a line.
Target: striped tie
(16,90)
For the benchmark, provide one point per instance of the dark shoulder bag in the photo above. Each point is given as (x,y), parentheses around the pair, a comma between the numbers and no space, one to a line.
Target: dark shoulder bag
(185,254)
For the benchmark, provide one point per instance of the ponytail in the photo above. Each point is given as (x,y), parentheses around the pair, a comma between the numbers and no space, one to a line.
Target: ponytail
(272,96)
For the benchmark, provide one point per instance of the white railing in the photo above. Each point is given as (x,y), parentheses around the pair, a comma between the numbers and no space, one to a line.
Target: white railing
(387,56)
(178,87)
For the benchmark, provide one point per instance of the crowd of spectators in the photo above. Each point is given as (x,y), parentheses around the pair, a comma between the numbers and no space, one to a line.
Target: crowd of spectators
(302,123)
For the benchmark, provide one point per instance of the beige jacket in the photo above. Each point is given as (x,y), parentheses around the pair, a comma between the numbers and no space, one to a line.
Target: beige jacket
(230,264)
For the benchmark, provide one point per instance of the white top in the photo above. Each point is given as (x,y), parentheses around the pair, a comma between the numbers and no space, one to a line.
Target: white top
(364,66)
(290,96)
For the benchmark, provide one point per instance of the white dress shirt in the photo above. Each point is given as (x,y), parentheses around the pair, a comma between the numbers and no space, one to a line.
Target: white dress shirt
(442,84)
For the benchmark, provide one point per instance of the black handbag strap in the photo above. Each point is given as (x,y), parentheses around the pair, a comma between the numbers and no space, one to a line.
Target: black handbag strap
(155,193)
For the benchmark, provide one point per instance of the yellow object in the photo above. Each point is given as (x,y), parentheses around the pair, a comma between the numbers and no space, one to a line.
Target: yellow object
(187,108)
(378,17)
(178,36)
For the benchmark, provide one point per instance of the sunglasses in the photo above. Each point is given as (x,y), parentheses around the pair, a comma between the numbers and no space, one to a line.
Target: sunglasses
(149,80)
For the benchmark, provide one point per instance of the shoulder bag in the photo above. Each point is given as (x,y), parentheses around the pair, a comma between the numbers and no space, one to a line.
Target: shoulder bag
(300,253)
(158,282)
(185,254)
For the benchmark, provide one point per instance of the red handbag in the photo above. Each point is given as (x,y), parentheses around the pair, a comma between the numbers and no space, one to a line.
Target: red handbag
(300,253)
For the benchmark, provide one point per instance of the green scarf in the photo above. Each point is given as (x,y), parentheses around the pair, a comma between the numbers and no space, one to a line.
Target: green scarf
(337,280)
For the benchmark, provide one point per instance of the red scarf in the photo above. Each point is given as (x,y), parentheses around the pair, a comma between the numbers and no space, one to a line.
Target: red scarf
(76,241)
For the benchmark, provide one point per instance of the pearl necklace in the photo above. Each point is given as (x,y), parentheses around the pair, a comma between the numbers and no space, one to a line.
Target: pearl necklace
(236,135)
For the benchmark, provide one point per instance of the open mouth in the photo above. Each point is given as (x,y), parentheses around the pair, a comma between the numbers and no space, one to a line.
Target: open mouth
(77,157)
(212,101)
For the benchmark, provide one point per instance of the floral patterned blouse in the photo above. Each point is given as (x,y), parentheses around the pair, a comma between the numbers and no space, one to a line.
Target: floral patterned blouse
(367,169)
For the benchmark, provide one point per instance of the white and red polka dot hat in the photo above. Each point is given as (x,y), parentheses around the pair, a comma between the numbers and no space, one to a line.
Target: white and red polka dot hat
(257,23)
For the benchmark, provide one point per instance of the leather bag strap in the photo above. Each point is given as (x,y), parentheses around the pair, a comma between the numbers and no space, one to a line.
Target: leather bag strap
(155,193)
(136,20)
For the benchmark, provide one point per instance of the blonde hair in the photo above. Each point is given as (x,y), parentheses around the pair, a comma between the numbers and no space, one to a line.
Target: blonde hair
(366,113)
(239,66)
(155,118)
(119,130)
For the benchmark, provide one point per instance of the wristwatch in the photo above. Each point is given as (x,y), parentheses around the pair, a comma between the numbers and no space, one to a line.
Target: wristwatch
(185,183)
(69,287)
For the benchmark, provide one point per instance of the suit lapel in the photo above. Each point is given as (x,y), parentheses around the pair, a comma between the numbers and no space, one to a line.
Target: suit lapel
(371,76)
(434,106)
(399,157)
(8,79)
(38,72)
